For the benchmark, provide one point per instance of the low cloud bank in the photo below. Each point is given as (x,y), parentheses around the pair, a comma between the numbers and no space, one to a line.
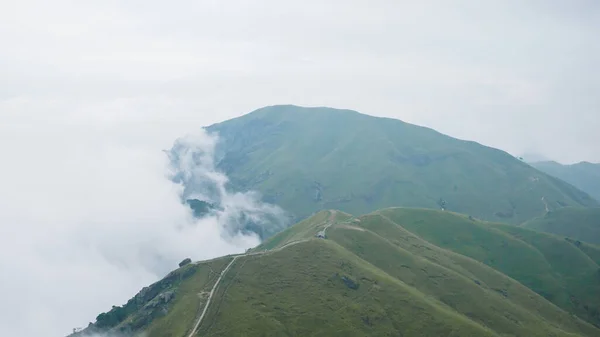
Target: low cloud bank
(88,216)
(193,167)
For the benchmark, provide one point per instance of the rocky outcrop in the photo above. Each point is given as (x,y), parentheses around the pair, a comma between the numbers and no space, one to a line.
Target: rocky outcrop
(150,303)
(185,262)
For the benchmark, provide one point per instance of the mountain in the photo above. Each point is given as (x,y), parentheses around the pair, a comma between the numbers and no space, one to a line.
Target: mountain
(578,223)
(381,274)
(563,271)
(309,159)
(584,175)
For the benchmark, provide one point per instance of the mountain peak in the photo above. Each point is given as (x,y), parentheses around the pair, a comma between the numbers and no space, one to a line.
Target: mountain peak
(306,159)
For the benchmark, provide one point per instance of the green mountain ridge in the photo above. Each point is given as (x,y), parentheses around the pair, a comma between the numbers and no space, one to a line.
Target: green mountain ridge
(585,176)
(581,224)
(564,273)
(408,272)
(309,159)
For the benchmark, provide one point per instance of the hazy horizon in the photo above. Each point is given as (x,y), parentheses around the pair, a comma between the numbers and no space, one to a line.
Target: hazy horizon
(92,92)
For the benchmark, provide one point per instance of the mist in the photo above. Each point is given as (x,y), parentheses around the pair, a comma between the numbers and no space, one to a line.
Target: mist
(192,161)
(87,219)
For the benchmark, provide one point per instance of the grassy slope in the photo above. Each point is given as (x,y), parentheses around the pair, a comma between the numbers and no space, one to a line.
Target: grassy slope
(585,176)
(549,265)
(407,286)
(145,312)
(188,301)
(579,223)
(299,292)
(399,281)
(592,251)
(303,230)
(311,159)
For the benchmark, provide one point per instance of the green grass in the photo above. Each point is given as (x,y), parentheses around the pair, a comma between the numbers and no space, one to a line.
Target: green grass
(149,311)
(187,303)
(578,223)
(494,300)
(592,251)
(407,286)
(310,159)
(396,272)
(299,292)
(547,264)
(584,175)
(303,230)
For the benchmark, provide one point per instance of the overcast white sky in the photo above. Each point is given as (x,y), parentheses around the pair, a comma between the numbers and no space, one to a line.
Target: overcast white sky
(519,75)
(91,91)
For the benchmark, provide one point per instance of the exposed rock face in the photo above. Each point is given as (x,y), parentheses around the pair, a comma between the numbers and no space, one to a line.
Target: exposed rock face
(185,262)
(153,309)
(150,303)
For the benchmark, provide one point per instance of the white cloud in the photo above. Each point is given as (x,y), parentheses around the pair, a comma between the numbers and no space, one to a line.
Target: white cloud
(88,216)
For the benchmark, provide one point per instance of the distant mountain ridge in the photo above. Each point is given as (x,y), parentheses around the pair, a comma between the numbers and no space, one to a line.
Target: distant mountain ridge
(308,159)
(583,175)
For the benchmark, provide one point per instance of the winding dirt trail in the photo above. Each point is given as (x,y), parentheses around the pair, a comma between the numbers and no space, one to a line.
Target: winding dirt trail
(212,292)
(214,288)
(545,204)
(331,220)
(235,257)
